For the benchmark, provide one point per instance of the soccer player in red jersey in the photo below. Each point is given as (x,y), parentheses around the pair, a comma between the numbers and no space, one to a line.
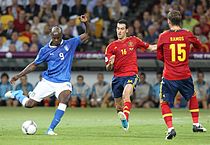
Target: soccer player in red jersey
(121,56)
(173,49)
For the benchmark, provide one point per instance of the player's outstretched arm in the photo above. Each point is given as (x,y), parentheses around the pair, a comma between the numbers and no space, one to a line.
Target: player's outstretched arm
(31,67)
(85,35)
(110,65)
(152,47)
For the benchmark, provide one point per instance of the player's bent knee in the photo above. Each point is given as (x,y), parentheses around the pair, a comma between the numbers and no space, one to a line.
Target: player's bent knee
(30,103)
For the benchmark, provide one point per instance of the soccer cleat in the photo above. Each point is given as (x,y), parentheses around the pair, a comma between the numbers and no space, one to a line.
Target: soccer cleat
(170,134)
(125,123)
(199,128)
(51,132)
(12,94)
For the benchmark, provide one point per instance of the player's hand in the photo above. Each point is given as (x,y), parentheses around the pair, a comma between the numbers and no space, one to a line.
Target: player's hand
(83,18)
(14,79)
(111,60)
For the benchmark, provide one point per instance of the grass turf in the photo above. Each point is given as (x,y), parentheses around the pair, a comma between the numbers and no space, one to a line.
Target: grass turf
(100,127)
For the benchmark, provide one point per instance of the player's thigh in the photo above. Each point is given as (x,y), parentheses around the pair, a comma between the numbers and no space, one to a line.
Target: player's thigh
(117,87)
(130,85)
(62,90)
(186,88)
(43,89)
(168,90)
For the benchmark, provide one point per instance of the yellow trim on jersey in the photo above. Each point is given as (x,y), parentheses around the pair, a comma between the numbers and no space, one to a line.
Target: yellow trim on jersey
(194,110)
(126,111)
(166,115)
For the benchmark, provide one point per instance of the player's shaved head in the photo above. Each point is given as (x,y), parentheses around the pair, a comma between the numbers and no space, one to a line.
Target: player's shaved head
(56,30)
(175,17)
(56,35)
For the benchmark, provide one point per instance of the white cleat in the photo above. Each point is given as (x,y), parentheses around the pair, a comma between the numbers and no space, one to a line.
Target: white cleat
(9,95)
(51,132)
(125,123)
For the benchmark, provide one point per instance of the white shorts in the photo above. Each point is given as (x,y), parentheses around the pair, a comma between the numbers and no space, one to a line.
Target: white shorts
(46,88)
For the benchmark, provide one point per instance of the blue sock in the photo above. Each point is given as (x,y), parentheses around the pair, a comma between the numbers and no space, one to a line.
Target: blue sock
(19,96)
(58,115)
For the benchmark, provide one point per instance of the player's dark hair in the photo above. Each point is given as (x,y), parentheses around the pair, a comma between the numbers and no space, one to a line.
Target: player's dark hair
(80,76)
(123,21)
(4,75)
(175,17)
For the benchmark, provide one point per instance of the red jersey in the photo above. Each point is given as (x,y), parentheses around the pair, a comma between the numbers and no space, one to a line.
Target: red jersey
(173,49)
(125,63)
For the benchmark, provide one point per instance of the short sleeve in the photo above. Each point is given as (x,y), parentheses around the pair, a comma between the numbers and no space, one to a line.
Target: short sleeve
(74,42)
(41,57)
(108,53)
(140,43)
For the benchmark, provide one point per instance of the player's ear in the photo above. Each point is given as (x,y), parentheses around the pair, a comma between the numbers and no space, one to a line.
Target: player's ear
(126,30)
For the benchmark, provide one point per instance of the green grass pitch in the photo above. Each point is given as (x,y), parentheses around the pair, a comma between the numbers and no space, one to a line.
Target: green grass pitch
(94,126)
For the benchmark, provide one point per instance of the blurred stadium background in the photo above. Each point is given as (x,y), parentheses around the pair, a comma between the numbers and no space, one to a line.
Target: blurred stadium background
(25,27)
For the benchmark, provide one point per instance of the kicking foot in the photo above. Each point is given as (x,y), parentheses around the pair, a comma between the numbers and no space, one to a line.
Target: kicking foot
(51,132)
(12,94)
(125,123)
(170,134)
(199,128)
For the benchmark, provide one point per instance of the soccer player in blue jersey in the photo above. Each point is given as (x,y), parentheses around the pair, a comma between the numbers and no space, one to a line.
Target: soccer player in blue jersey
(58,54)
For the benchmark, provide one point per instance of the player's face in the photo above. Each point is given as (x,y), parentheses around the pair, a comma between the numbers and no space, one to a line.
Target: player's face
(56,39)
(121,31)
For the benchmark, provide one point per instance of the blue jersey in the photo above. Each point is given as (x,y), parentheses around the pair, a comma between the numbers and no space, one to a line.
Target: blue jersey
(59,60)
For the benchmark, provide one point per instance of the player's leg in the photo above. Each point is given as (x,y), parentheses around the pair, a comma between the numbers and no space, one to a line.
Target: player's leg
(63,91)
(117,89)
(187,91)
(18,95)
(42,90)
(168,90)
(129,86)
(121,115)
(127,92)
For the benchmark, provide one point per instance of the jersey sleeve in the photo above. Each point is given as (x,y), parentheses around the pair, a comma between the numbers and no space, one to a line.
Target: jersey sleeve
(108,53)
(74,42)
(195,41)
(41,56)
(160,48)
(140,43)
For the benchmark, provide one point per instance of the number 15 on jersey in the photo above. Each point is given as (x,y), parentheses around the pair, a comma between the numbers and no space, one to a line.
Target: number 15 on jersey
(178,52)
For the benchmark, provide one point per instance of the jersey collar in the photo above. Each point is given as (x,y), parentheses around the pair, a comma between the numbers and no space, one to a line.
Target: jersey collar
(55,46)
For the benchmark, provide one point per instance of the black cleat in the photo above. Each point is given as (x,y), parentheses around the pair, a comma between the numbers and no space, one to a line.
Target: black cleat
(170,134)
(199,128)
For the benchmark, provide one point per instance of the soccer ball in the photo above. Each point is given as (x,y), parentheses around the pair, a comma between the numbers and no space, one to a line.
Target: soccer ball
(29,127)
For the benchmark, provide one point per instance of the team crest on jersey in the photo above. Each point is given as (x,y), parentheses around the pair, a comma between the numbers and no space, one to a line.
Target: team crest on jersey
(131,48)
(130,44)
(66,48)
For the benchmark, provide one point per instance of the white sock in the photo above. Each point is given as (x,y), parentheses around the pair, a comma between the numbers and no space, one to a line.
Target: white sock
(62,106)
(24,101)
(196,124)
(169,129)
